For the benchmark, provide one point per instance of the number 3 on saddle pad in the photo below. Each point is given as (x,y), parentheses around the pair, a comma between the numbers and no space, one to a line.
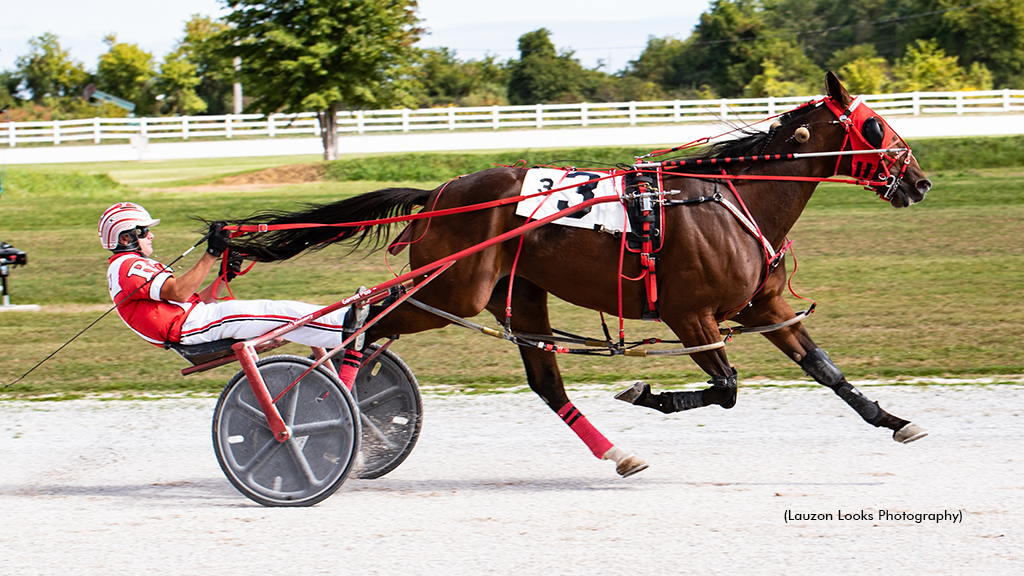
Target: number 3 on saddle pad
(578,187)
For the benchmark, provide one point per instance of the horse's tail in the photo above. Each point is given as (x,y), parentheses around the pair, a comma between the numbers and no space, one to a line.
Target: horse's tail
(284,244)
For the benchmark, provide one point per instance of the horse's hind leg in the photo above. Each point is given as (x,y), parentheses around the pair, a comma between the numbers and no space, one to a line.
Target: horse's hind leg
(530,315)
(723,390)
(797,344)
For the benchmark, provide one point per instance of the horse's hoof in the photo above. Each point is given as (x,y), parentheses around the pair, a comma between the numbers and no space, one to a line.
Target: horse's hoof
(635,391)
(630,465)
(909,433)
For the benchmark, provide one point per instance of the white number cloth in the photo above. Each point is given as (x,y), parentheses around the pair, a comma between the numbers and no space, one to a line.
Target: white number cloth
(581,186)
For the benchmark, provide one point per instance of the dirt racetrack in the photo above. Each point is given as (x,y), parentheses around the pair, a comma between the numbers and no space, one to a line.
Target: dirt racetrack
(498,485)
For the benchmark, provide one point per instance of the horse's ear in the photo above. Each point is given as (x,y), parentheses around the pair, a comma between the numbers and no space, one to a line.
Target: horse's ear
(835,89)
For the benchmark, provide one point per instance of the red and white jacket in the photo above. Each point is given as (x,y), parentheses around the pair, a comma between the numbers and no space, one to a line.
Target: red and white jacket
(156,320)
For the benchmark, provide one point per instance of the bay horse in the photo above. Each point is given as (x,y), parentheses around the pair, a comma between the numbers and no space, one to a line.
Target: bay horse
(710,268)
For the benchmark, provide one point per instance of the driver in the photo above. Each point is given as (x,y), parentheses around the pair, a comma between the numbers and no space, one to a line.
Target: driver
(160,307)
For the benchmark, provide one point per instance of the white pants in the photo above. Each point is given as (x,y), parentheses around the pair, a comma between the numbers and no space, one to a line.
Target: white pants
(248,319)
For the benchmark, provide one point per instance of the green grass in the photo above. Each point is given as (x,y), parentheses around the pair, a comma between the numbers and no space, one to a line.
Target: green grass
(933,290)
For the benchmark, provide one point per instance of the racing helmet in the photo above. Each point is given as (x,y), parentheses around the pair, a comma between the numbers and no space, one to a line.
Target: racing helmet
(120,218)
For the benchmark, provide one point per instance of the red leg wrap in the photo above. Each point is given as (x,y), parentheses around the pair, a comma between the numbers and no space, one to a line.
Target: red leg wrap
(350,367)
(594,440)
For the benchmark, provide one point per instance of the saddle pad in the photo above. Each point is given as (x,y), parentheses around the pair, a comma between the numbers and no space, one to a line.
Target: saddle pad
(579,186)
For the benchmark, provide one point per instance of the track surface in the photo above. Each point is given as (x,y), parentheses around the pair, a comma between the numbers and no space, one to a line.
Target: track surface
(498,485)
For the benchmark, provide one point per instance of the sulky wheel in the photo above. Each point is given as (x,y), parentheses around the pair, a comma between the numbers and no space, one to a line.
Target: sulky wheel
(325,435)
(391,411)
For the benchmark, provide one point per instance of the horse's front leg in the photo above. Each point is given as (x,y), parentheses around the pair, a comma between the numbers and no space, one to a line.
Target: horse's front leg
(530,315)
(796,343)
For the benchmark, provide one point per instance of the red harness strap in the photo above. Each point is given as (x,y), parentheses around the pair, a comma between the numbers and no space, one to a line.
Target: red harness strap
(648,258)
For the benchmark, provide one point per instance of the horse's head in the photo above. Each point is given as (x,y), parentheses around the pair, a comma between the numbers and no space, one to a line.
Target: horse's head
(885,163)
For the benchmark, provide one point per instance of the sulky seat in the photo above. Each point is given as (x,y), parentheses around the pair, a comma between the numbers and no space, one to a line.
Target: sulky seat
(198,354)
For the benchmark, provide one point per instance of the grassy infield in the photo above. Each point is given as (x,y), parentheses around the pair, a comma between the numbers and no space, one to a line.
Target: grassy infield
(932,291)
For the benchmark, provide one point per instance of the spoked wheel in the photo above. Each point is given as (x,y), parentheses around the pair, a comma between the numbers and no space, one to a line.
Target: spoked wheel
(318,457)
(390,410)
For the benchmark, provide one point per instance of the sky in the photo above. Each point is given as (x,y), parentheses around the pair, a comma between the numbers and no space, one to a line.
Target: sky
(599,31)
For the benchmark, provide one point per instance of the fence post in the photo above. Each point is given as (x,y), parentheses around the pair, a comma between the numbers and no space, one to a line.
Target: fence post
(771,105)
(451,118)
(677,111)
(723,109)
(632,113)
(495,121)
(584,108)
(271,129)
(540,115)
(227,125)
(96,130)
(143,129)
(917,104)
(360,125)
(1006,99)
(56,133)
(405,119)
(184,127)
(11,132)
(960,104)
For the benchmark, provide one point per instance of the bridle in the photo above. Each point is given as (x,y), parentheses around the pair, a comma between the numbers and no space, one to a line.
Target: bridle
(867,131)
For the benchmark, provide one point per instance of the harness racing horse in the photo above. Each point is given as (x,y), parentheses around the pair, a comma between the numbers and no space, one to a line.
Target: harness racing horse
(710,268)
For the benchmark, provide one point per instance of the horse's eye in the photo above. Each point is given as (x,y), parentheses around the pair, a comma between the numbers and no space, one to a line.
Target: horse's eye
(872,131)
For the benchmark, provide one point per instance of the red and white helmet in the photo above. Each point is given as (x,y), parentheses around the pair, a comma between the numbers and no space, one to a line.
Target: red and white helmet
(122,217)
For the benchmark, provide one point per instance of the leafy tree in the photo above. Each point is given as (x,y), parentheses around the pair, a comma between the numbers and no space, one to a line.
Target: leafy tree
(177,83)
(444,80)
(202,46)
(323,55)
(49,71)
(732,51)
(988,33)
(861,69)
(926,67)
(541,74)
(125,71)
(824,27)
(774,81)
(9,83)
(656,62)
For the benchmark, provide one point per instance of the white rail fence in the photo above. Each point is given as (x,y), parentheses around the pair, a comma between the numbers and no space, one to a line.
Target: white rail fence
(141,130)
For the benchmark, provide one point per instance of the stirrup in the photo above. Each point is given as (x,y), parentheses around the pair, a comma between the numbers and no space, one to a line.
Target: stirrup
(354,320)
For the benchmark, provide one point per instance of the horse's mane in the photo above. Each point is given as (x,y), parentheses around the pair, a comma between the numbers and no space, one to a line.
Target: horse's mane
(749,142)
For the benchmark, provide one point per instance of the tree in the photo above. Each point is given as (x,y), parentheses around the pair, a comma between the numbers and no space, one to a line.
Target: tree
(774,81)
(861,69)
(323,55)
(124,71)
(655,63)
(926,67)
(444,80)
(9,83)
(49,71)
(541,74)
(988,33)
(177,83)
(202,47)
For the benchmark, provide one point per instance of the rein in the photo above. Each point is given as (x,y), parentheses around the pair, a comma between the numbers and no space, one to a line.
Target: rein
(654,199)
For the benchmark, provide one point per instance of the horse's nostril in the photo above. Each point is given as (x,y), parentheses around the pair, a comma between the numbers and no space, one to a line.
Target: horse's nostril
(924,185)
